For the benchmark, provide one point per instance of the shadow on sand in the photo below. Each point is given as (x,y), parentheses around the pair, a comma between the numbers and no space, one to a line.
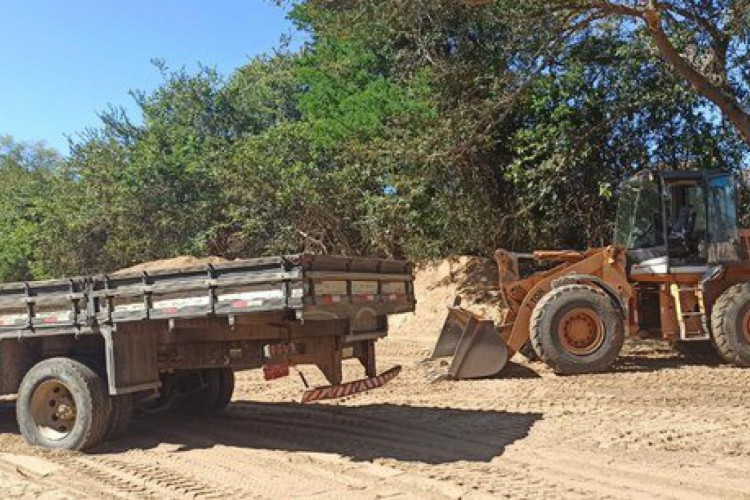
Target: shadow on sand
(643,363)
(406,433)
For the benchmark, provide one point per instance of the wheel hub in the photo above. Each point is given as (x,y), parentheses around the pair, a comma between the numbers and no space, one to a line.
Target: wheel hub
(581,331)
(53,409)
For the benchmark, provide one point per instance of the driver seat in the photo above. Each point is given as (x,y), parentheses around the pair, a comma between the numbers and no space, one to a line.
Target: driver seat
(684,224)
(681,235)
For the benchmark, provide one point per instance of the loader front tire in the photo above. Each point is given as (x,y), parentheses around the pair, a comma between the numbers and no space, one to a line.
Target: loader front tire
(730,325)
(577,329)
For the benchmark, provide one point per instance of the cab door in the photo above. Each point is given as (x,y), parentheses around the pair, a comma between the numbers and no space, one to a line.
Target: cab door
(722,233)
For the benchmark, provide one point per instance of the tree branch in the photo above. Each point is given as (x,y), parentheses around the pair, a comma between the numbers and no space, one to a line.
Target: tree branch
(651,13)
(727,104)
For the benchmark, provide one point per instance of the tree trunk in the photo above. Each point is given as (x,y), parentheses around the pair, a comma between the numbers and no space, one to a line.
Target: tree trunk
(729,107)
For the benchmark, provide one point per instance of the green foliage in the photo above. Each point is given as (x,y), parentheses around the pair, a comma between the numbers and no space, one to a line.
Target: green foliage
(401,129)
(27,177)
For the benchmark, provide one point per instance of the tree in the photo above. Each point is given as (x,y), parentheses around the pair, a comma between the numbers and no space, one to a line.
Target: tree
(400,129)
(536,122)
(704,42)
(154,190)
(27,177)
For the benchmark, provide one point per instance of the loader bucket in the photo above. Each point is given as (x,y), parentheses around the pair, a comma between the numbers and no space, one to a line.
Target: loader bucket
(475,347)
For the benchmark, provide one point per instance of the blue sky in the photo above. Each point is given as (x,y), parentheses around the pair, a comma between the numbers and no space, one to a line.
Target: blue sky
(63,61)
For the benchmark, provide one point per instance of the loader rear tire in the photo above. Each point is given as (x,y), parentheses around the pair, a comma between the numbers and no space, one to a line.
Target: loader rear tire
(730,325)
(577,329)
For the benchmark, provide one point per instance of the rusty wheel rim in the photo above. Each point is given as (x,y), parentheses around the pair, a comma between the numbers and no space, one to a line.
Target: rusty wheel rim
(53,409)
(746,324)
(580,331)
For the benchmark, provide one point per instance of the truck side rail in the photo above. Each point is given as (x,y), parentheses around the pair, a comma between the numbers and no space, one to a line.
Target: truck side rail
(313,286)
(225,289)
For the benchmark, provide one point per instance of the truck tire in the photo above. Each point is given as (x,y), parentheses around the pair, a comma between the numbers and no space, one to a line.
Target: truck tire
(730,325)
(63,404)
(226,387)
(122,415)
(203,399)
(577,329)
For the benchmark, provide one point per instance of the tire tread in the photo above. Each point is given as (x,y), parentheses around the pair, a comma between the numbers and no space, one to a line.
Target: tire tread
(722,327)
(536,332)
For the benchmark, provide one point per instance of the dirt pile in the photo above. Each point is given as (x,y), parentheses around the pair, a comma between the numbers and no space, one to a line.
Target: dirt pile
(474,279)
(181,262)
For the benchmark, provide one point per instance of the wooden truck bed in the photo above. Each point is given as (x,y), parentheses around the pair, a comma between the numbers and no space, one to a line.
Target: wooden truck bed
(310,287)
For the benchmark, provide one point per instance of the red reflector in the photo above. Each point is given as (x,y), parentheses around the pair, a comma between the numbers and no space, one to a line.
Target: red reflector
(239,303)
(275,370)
(329,299)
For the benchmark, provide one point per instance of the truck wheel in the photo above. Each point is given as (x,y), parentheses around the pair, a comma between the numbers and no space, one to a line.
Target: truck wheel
(730,325)
(122,415)
(226,387)
(63,404)
(203,399)
(577,329)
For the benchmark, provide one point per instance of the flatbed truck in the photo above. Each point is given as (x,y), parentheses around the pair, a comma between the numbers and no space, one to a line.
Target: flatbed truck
(81,353)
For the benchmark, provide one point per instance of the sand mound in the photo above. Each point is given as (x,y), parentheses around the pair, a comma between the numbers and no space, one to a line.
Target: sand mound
(435,286)
(181,262)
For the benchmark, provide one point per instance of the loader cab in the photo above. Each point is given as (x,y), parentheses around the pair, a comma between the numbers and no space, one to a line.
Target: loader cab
(673,222)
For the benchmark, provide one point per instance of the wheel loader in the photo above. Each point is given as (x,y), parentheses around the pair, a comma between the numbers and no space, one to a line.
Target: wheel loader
(678,268)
